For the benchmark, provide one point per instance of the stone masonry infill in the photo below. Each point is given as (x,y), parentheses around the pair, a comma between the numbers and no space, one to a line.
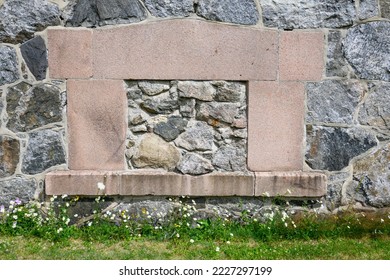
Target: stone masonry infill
(191,127)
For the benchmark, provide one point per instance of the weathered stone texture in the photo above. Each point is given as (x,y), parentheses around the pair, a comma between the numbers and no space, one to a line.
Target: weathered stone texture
(332,148)
(293,14)
(171,129)
(385,8)
(154,152)
(91,13)
(9,155)
(18,187)
(194,164)
(32,107)
(44,150)
(336,65)
(170,8)
(19,20)
(367,49)
(333,101)
(240,12)
(334,193)
(198,90)
(230,158)
(35,55)
(371,179)
(199,136)
(214,112)
(368,9)
(153,87)
(9,65)
(375,111)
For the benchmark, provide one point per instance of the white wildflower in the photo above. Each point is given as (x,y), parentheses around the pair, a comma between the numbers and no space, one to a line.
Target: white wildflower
(101,186)
(192,241)
(59,230)
(177,235)
(217,249)
(89,224)
(228,242)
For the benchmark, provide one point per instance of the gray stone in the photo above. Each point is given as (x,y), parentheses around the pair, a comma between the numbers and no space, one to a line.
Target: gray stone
(332,148)
(368,9)
(20,19)
(336,65)
(9,72)
(31,107)
(198,136)
(367,49)
(385,8)
(44,150)
(90,13)
(371,178)
(164,103)
(153,87)
(154,152)
(308,13)
(194,164)
(170,8)
(35,55)
(139,128)
(333,101)
(9,155)
(240,12)
(137,116)
(171,129)
(215,112)
(187,107)
(198,90)
(334,194)
(18,187)
(375,111)
(230,92)
(228,158)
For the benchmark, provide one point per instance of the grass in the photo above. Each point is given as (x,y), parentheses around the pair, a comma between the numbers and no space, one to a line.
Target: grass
(40,231)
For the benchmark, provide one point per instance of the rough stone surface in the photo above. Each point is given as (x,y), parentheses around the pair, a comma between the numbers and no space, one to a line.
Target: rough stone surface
(230,92)
(194,164)
(240,12)
(333,101)
(35,55)
(9,72)
(334,194)
(163,103)
(153,87)
(375,111)
(385,8)
(154,152)
(228,158)
(336,65)
(170,8)
(9,155)
(367,49)
(371,179)
(32,107)
(171,129)
(198,90)
(199,136)
(308,13)
(332,148)
(219,112)
(104,12)
(20,19)
(368,9)
(44,150)
(18,187)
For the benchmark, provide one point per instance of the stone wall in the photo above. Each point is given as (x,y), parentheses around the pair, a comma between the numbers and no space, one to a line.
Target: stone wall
(346,113)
